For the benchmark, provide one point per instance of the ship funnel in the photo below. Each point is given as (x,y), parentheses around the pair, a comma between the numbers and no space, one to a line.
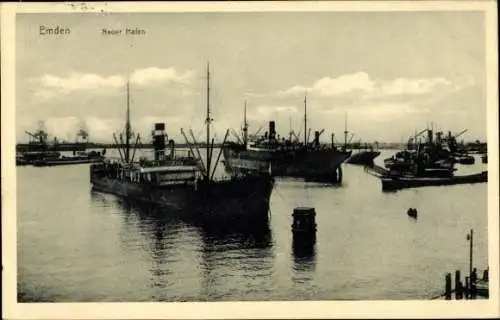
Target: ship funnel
(272,130)
(159,140)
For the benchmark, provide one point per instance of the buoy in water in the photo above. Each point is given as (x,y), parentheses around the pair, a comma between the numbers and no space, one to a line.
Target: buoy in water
(412,212)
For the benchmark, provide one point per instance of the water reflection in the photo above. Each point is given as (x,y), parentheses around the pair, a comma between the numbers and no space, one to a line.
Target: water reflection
(304,252)
(162,238)
(179,244)
(248,247)
(304,258)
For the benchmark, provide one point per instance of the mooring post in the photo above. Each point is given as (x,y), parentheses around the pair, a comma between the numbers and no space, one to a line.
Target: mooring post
(470,237)
(447,287)
(304,221)
(473,284)
(304,231)
(458,286)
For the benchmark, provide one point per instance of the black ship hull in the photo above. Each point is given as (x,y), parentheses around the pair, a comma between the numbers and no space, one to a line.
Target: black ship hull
(392,183)
(65,161)
(363,157)
(29,158)
(237,200)
(310,164)
(61,147)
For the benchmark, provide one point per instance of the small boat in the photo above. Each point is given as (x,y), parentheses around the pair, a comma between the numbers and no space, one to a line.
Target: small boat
(412,212)
(391,183)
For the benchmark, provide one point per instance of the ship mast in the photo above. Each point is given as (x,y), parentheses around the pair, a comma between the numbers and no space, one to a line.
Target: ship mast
(127,126)
(245,126)
(345,131)
(208,120)
(305,119)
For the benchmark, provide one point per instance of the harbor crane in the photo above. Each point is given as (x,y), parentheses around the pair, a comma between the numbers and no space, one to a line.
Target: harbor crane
(83,134)
(460,133)
(236,136)
(40,136)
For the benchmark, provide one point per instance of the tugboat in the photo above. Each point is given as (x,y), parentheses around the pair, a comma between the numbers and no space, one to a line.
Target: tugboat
(287,157)
(184,183)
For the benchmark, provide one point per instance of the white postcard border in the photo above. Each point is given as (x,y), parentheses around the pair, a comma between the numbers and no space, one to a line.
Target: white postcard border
(212,310)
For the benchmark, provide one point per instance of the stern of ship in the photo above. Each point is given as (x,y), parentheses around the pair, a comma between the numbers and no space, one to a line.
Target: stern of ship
(241,200)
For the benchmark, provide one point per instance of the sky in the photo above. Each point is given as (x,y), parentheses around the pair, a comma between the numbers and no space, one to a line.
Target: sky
(388,73)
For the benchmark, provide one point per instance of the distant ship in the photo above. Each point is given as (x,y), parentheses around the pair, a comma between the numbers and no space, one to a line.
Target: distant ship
(364,154)
(436,156)
(80,157)
(184,181)
(286,157)
(484,158)
(363,157)
(30,157)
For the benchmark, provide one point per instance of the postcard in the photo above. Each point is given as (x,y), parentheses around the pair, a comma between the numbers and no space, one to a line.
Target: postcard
(250,160)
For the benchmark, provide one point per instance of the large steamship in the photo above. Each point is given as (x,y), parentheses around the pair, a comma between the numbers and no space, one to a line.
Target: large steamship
(311,161)
(184,181)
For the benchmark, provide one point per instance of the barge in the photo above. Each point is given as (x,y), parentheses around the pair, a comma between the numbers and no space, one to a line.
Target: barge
(392,183)
(77,158)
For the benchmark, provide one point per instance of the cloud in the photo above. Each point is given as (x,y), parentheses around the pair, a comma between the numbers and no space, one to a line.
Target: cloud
(380,109)
(360,84)
(153,74)
(293,91)
(266,110)
(359,81)
(50,85)
(402,86)
(254,94)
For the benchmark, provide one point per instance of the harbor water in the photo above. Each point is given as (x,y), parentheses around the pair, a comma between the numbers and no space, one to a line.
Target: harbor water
(76,245)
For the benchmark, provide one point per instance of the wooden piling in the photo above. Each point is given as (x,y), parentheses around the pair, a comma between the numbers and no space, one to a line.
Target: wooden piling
(458,286)
(473,284)
(447,287)
(470,237)
(471,288)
